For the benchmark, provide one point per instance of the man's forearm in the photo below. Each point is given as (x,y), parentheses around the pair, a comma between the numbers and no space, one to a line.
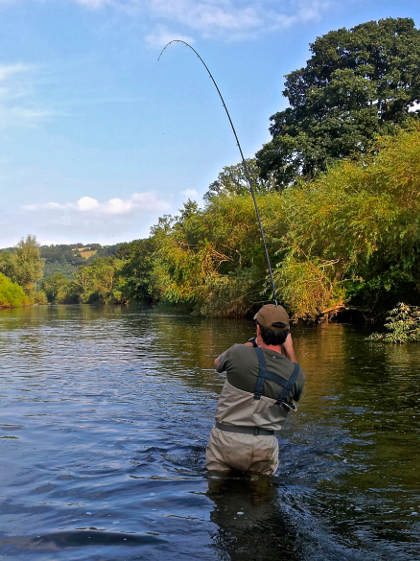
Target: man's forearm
(287,348)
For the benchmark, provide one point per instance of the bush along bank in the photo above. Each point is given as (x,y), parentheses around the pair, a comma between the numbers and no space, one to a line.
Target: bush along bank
(402,326)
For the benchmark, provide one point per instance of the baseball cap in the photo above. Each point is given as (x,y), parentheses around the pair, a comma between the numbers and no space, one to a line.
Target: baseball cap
(273,317)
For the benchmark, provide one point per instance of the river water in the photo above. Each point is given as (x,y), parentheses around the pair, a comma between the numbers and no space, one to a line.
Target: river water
(104,419)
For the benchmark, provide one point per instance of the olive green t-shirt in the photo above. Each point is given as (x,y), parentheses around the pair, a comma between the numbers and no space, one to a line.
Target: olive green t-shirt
(241,365)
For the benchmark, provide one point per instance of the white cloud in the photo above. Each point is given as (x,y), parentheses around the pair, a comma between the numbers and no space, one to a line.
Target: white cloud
(415,106)
(138,203)
(90,220)
(86,204)
(228,19)
(208,16)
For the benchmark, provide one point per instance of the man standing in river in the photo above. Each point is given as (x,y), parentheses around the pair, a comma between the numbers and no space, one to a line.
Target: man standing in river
(262,386)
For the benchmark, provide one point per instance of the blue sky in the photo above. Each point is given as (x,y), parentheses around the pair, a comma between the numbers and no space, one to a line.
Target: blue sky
(98,139)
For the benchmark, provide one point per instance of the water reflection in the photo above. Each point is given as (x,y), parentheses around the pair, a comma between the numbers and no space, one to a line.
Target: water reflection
(104,418)
(247,512)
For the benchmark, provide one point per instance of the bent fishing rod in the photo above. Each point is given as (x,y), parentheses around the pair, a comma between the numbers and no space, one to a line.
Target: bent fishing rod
(245,166)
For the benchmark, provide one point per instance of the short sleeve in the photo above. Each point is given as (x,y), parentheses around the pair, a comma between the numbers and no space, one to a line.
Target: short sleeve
(223,360)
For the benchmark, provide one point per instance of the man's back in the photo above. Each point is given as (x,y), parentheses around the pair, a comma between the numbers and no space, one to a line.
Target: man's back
(237,404)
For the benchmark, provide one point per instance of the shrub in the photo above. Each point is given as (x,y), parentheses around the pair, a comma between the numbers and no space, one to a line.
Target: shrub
(403,325)
(11,294)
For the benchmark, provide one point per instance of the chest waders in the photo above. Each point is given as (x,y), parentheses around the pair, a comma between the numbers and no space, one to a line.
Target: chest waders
(284,398)
(263,374)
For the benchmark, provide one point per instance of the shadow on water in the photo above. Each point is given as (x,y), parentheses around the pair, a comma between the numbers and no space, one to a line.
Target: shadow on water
(247,512)
(48,543)
(261,519)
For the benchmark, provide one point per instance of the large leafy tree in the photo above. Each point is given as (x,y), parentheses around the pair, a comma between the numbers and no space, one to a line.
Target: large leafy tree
(136,258)
(357,83)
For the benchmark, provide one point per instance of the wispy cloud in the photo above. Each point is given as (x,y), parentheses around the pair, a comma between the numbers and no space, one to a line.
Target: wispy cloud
(161,35)
(94,4)
(17,105)
(225,19)
(8,70)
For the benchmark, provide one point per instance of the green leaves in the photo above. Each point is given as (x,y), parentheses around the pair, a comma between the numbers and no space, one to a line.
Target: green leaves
(402,326)
(352,235)
(11,294)
(23,265)
(357,83)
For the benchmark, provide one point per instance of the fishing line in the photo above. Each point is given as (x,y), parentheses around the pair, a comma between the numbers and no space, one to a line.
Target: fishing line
(246,169)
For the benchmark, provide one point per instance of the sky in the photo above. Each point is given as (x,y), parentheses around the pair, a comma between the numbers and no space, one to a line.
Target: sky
(98,139)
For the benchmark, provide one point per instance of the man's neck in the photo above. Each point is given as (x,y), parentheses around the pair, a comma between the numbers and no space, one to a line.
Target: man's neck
(276,348)
(260,343)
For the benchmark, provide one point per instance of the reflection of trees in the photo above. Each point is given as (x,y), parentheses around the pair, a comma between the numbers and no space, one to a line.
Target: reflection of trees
(38,329)
(375,409)
(251,525)
(188,345)
(319,351)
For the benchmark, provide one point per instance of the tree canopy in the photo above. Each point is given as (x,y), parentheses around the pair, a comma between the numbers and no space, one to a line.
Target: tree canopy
(358,82)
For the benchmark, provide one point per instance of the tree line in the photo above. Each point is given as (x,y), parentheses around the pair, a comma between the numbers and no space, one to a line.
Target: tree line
(338,191)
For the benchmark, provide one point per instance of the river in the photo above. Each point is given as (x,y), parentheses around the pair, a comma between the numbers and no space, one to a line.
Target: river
(104,419)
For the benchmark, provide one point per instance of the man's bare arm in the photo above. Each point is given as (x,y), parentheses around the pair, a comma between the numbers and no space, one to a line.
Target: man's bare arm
(287,348)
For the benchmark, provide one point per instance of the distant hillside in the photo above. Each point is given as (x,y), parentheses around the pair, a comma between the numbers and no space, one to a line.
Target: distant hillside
(66,258)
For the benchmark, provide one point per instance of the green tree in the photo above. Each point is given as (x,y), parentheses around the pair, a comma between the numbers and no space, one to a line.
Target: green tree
(135,274)
(8,264)
(212,259)
(29,265)
(358,82)
(98,282)
(56,287)
(233,180)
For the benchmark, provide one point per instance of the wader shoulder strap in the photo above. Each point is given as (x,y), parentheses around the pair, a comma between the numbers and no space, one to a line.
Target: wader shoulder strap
(285,395)
(264,374)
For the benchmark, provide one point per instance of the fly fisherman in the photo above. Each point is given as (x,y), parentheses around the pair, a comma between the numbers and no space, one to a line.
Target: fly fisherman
(262,386)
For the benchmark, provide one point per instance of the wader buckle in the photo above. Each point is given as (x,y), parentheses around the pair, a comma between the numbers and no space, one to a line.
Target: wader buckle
(289,406)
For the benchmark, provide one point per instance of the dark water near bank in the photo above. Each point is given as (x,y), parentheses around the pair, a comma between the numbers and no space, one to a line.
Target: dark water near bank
(104,419)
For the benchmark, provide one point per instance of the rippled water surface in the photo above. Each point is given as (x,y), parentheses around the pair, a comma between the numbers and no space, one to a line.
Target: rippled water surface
(104,420)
